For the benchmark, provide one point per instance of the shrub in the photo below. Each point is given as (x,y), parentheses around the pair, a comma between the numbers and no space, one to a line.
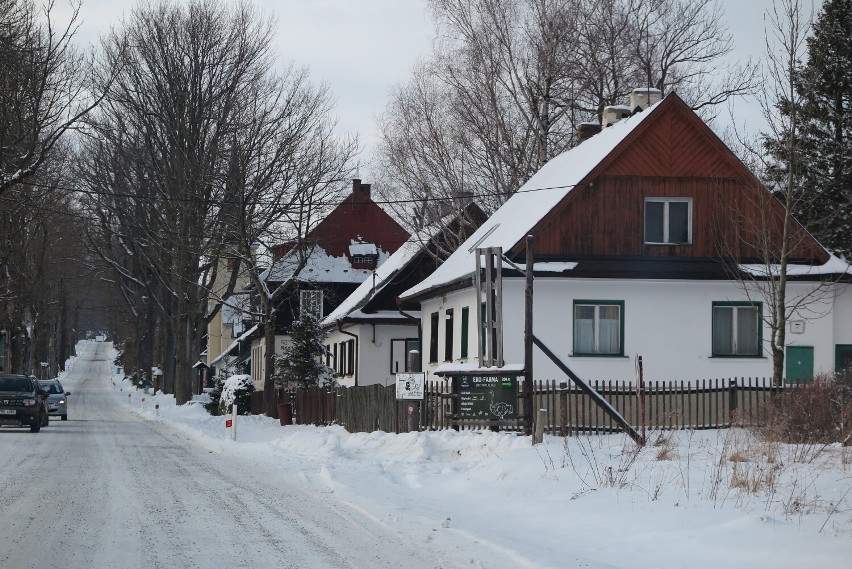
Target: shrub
(811,413)
(237,389)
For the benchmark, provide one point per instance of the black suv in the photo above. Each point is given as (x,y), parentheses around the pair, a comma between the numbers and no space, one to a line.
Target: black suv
(22,402)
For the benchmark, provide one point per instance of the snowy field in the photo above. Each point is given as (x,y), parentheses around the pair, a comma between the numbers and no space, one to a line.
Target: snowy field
(697,499)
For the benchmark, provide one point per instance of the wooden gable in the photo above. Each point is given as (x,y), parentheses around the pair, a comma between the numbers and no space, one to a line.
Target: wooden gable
(672,154)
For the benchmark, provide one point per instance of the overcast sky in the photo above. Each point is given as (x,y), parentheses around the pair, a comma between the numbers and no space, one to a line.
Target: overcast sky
(361,48)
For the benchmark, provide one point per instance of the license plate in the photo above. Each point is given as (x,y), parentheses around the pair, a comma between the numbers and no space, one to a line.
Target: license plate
(7,411)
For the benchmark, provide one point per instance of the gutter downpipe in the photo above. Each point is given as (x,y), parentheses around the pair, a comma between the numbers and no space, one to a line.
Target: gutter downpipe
(357,348)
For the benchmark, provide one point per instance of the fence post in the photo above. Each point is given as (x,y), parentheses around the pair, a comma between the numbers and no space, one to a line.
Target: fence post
(563,409)
(733,400)
(413,405)
(538,435)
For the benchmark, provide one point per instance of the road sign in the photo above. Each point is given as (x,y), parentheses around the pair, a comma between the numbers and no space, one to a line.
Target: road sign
(410,385)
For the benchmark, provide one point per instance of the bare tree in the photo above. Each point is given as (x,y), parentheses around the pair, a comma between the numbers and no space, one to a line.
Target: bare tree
(683,46)
(43,91)
(774,233)
(184,75)
(508,82)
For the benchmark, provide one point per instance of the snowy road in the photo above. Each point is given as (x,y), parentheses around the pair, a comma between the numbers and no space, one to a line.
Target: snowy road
(108,489)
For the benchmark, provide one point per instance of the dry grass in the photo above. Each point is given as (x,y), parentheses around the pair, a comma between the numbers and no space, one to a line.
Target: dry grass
(813,414)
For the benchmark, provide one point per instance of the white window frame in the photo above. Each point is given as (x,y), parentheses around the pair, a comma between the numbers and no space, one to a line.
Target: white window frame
(311,301)
(735,308)
(666,238)
(596,327)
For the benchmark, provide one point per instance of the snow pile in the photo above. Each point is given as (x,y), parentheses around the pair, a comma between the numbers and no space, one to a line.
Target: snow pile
(698,499)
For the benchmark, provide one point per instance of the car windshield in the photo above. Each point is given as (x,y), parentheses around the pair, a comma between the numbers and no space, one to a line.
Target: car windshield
(14,384)
(52,388)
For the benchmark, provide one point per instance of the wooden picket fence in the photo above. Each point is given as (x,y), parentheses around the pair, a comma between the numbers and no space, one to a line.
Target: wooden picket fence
(706,404)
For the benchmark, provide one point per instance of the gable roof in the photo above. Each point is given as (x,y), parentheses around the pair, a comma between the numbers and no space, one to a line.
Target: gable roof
(357,226)
(400,264)
(370,287)
(544,191)
(544,195)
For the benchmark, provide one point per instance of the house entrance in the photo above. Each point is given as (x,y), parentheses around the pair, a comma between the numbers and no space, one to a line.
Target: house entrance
(842,357)
(799,363)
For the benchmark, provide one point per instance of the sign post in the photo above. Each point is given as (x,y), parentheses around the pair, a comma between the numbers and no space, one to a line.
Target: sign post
(410,387)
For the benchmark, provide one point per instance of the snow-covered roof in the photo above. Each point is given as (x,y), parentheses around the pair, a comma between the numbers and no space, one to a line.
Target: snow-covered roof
(384,274)
(834,266)
(363,249)
(234,344)
(532,202)
(322,267)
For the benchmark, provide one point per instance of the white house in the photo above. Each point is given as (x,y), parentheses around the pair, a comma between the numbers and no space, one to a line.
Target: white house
(643,245)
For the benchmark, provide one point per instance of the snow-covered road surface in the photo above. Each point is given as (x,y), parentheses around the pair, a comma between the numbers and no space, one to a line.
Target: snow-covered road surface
(108,489)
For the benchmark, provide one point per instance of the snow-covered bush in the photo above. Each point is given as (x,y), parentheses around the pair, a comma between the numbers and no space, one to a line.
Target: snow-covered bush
(237,389)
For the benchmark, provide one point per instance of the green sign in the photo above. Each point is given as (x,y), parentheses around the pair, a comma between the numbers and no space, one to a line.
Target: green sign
(487,397)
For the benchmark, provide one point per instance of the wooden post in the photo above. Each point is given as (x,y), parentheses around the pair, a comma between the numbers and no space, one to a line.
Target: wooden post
(563,409)
(538,437)
(528,339)
(733,401)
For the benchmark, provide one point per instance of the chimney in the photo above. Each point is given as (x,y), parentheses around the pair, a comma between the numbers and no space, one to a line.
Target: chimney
(614,113)
(359,191)
(586,130)
(643,97)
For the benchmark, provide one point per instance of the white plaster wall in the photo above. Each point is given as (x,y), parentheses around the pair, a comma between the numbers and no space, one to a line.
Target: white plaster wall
(668,323)
(373,356)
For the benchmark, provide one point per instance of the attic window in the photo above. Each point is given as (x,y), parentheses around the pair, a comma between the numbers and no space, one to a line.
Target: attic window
(363,261)
(668,221)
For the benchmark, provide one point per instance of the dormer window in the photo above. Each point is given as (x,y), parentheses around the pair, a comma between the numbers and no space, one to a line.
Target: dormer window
(668,221)
(363,261)
(363,255)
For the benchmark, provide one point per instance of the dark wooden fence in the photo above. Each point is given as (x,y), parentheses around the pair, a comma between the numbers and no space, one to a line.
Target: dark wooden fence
(706,404)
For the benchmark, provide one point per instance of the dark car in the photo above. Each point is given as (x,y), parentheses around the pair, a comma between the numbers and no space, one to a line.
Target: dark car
(57,397)
(22,402)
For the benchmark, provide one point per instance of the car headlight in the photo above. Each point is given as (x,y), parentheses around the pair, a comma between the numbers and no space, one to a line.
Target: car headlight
(61,402)
(29,402)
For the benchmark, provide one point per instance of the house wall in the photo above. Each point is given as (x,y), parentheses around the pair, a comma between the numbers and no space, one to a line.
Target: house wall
(258,358)
(373,351)
(668,323)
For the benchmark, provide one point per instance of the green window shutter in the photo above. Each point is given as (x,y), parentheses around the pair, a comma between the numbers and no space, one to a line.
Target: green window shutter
(465,317)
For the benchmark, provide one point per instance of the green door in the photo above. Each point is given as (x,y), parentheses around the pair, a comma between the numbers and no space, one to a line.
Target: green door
(800,363)
(842,357)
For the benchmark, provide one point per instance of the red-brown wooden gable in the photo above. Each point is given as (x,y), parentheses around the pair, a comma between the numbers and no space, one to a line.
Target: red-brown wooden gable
(673,154)
(358,218)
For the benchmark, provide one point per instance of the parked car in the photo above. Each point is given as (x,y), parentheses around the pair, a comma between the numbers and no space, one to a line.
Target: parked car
(22,402)
(57,397)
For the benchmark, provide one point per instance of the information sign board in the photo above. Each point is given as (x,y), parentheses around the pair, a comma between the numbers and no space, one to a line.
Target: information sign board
(410,385)
(487,397)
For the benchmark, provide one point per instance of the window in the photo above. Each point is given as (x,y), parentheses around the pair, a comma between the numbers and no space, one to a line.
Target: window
(310,302)
(598,328)
(736,329)
(465,323)
(668,221)
(400,350)
(433,337)
(350,361)
(448,336)
(362,260)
